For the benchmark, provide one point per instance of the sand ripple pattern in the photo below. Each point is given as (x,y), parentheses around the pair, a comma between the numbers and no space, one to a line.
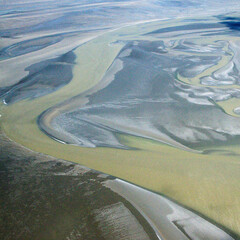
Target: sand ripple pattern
(168,90)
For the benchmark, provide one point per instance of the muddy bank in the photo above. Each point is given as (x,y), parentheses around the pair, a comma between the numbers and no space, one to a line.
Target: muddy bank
(46,198)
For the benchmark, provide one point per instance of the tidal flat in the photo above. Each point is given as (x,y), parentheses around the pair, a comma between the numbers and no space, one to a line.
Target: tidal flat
(49,198)
(134,109)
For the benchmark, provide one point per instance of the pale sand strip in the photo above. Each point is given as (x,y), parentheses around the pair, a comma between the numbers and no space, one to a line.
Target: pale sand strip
(169,220)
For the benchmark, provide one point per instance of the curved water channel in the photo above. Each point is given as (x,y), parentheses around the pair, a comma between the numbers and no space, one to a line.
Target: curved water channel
(155,104)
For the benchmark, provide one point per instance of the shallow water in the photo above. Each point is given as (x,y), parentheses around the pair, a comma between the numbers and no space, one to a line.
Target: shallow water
(155,102)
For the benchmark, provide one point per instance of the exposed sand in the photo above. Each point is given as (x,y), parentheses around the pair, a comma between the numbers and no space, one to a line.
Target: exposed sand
(169,220)
(208,184)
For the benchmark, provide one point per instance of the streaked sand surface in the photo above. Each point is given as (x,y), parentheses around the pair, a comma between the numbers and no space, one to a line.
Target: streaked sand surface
(175,222)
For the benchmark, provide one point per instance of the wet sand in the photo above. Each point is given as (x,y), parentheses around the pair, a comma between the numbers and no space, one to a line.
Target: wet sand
(175,221)
(47,198)
(205,182)
(174,131)
(120,113)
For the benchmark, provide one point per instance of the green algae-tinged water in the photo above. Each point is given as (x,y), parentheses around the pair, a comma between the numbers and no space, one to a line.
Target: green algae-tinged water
(207,183)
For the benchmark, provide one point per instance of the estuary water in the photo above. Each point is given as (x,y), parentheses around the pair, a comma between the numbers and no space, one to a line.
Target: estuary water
(146,91)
